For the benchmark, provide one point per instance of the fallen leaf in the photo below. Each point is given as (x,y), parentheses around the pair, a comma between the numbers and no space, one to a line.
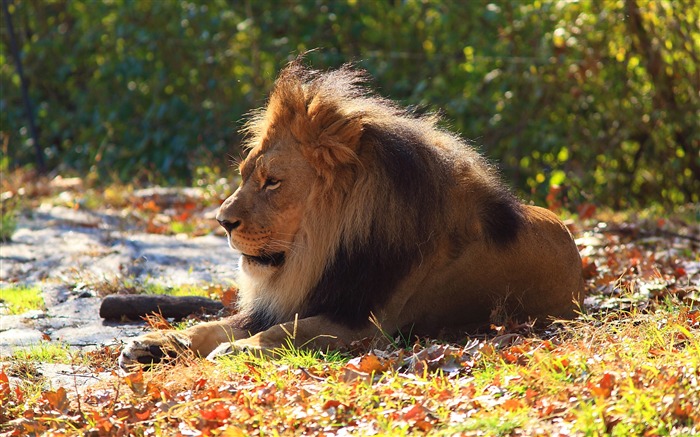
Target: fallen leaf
(231,431)
(368,363)
(4,385)
(423,425)
(57,400)
(157,321)
(331,404)
(229,297)
(603,388)
(143,415)
(201,382)
(218,412)
(352,375)
(135,382)
(512,405)
(530,395)
(415,412)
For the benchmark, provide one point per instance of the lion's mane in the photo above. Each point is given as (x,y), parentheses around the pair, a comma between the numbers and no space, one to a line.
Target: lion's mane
(391,184)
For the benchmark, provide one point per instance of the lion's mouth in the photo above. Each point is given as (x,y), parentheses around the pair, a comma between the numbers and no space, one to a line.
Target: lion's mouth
(268,260)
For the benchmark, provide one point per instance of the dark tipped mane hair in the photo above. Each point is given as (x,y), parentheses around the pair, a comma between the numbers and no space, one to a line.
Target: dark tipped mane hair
(399,168)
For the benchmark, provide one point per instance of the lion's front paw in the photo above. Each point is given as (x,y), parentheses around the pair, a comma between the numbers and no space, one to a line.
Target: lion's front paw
(152,348)
(249,345)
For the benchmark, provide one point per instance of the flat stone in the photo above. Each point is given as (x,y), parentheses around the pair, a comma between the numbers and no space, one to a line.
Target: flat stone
(12,338)
(70,253)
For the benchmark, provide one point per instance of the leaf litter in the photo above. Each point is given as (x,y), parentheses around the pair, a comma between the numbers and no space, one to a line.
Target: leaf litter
(629,365)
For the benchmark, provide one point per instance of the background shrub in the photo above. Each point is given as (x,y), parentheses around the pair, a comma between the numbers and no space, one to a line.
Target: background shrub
(599,97)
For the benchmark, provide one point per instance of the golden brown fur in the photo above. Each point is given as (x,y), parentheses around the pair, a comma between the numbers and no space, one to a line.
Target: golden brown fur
(352,207)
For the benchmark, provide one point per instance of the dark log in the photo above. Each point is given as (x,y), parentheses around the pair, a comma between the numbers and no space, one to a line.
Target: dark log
(135,306)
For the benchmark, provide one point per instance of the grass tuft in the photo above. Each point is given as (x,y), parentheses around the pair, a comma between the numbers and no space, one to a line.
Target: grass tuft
(55,352)
(19,298)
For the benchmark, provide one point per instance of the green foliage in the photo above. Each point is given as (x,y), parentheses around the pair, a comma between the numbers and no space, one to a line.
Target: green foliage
(19,298)
(8,222)
(599,97)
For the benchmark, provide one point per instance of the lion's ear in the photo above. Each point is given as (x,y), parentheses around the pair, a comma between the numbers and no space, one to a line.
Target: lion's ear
(338,137)
(338,143)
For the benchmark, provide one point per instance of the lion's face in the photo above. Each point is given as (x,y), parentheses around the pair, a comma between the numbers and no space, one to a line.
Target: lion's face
(262,218)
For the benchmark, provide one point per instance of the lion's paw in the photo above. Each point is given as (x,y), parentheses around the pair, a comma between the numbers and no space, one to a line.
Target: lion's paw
(152,348)
(240,346)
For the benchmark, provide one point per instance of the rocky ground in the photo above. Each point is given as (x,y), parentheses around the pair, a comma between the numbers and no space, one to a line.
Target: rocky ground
(74,254)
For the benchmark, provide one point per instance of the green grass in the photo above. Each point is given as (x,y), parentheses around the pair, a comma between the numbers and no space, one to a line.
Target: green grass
(20,298)
(54,352)
(182,290)
(287,357)
(134,286)
(496,424)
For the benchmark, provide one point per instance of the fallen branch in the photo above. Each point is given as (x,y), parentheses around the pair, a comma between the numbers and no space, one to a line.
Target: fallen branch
(135,306)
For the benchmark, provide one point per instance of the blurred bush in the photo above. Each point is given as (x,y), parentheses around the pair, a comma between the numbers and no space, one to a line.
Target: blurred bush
(588,101)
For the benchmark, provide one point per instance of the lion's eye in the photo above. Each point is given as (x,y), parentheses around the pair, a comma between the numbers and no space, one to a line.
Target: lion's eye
(272,184)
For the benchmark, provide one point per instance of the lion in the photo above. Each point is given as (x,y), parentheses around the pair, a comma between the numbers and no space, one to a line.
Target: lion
(357,218)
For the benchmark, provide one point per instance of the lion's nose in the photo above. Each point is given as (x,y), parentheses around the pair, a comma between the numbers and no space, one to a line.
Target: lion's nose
(229,225)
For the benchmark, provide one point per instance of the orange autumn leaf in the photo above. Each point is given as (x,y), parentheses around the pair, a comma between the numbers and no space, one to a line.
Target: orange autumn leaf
(157,393)
(530,395)
(57,400)
(370,363)
(143,415)
(423,425)
(135,382)
(603,388)
(150,206)
(219,412)
(366,365)
(331,404)
(229,297)
(157,321)
(182,217)
(417,412)
(201,382)
(19,394)
(545,410)
(512,405)
(510,357)
(4,385)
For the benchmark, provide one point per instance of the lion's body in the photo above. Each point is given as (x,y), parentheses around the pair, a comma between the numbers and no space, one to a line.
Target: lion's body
(352,208)
(523,281)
